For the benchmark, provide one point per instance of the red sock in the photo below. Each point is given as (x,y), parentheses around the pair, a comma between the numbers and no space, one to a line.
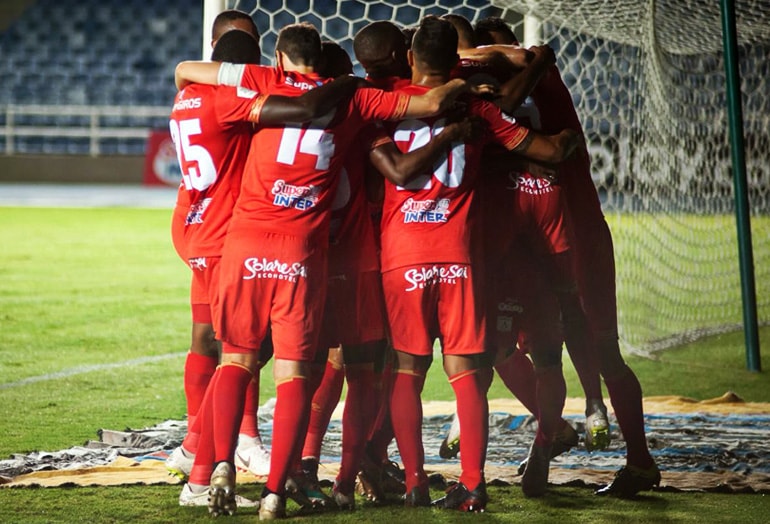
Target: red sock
(518,375)
(249,425)
(228,399)
(626,397)
(198,370)
(551,394)
(406,417)
(289,423)
(356,423)
(203,465)
(325,400)
(473,414)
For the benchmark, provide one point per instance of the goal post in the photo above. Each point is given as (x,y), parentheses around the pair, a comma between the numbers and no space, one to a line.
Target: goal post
(648,82)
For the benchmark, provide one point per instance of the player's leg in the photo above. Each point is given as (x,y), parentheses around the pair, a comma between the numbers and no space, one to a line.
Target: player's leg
(357,417)
(412,320)
(581,346)
(251,454)
(462,324)
(199,367)
(597,284)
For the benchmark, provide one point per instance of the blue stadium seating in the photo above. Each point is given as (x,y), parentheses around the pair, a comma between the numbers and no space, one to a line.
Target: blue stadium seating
(95,52)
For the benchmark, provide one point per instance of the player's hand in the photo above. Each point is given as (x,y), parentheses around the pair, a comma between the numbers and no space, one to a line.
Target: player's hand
(467,129)
(543,54)
(484,90)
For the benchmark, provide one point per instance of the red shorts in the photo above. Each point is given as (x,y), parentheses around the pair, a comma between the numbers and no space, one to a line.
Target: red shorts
(274,280)
(521,306)
(204,287)
(354,311)
(428,301)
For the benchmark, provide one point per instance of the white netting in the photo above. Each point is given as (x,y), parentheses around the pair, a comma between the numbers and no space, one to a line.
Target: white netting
(648,80)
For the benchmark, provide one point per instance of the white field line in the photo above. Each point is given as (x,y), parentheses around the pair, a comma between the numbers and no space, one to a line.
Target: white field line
(79,370)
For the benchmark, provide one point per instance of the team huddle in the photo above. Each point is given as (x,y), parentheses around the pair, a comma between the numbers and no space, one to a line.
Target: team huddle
(341,226)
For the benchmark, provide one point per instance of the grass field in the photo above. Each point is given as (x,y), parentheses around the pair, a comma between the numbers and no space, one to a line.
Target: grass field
(95,323)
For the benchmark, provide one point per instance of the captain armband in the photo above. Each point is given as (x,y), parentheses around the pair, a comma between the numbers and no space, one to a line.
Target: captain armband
(230,74)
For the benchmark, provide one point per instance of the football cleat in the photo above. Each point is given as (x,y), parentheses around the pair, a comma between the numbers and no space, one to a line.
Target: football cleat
(630,480)
(222,490)
(188,498)
(534,481)
(271,506)
(306,491)
(418,496)
(345,501)
(566,439)
(252,457)
(180,462)
(450,446)
(597,426)
(460,498)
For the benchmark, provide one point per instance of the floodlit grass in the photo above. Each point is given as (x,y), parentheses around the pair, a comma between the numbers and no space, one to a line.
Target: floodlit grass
(95,325)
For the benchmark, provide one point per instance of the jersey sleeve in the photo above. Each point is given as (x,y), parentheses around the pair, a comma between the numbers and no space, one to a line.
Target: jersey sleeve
(504,129)
(251,76)
(375,104)
(236,105)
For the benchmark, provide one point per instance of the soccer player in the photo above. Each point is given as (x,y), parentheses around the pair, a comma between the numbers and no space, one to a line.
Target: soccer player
(211,128)
(354,311)
(431,279)
(532,204)
(203,356)
(274,259)
(595,270)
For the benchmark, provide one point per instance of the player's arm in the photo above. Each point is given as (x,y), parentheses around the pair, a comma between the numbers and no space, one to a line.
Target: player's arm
(272,109)
(518,56)
(525,68)
(196,72)
(315,103)
(400,167)
(520,85)
(440,98)
(551,149)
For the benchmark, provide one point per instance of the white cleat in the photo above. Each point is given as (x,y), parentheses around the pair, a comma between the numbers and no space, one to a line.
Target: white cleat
(272,507)
(597,436)
(189,498)
(180,462)
(252,456)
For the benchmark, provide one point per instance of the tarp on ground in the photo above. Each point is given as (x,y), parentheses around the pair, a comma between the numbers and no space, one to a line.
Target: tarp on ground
(715,445)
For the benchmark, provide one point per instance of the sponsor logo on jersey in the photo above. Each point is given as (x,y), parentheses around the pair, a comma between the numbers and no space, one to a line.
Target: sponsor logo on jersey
(189,103)
(529,184)
(510,305)
(418,278)
(198,263)
(304,86)
(275,269)
(298,197)
(195,215)
(426,210)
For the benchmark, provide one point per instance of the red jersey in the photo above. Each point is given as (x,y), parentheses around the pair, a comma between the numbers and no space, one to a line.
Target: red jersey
(352,246)
(430,220)
(211,133)
(290,177)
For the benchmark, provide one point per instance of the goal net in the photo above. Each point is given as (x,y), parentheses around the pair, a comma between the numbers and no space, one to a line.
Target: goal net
(648,81)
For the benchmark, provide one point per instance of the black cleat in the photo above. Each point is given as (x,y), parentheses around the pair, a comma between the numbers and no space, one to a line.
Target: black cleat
(630,480)
(460,498)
